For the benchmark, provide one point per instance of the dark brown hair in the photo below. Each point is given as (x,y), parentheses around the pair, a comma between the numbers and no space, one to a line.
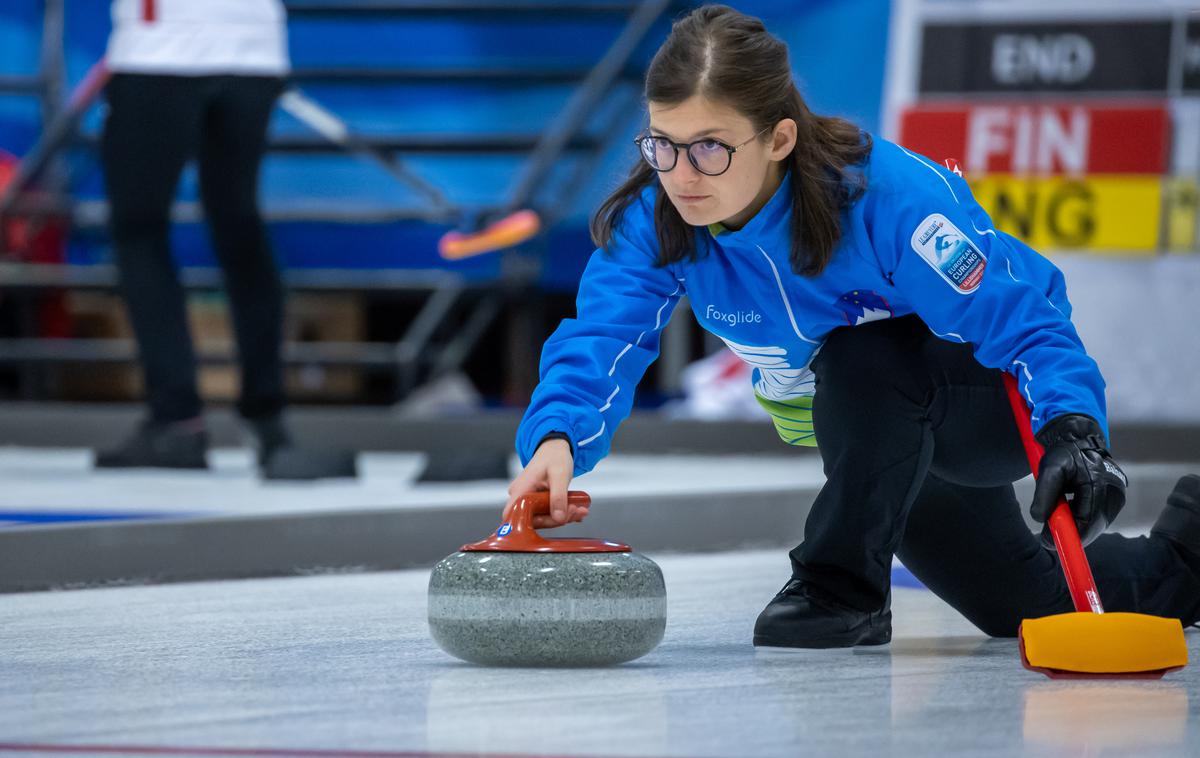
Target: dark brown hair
(731,58)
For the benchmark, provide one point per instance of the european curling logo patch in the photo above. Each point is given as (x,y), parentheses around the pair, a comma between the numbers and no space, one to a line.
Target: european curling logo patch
(949,252)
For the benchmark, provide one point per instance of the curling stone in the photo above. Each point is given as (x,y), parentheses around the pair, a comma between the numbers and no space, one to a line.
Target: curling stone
(519,599)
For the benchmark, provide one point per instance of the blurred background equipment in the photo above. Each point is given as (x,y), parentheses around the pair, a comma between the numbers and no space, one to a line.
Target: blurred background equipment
(482,111)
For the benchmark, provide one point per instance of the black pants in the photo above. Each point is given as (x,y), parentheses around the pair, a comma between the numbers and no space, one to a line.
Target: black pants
(920,451)
(154,125)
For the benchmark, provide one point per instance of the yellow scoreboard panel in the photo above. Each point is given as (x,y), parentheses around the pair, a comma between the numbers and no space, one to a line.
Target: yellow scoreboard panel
(1180,212)
(1121,214)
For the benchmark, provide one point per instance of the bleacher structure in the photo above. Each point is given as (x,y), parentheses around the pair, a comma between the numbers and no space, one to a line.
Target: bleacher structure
(573,68)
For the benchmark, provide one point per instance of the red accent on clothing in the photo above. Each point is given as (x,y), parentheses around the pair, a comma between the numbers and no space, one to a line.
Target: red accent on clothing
(953,165)
(148,10)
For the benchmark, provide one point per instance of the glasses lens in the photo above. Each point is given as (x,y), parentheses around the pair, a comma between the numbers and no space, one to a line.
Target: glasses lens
(658,152)
(709,157)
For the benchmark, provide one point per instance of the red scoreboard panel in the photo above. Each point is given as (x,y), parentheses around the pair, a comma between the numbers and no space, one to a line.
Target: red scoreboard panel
(1043,139)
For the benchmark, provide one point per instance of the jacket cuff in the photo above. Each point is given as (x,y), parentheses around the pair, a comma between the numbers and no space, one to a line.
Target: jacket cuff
(556,435)
(528,440)
(1071,427)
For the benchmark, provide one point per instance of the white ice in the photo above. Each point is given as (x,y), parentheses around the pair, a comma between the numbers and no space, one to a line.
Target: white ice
(345,663)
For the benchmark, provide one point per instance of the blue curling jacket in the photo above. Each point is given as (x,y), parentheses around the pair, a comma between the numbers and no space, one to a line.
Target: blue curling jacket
(915,242)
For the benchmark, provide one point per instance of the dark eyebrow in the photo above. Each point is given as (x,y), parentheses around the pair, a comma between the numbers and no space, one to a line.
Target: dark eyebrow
(698,135)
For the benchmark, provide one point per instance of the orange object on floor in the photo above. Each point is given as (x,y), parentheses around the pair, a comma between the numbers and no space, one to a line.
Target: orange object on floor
(1089,643)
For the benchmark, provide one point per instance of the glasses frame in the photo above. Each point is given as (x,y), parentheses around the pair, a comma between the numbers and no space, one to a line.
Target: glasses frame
(687,149)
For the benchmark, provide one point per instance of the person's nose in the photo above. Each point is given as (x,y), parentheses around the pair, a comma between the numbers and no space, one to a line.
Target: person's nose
(684,172)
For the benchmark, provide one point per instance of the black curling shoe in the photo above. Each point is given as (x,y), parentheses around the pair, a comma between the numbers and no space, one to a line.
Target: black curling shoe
(1179,523)
(180,444)
(1180,520)
(279,458)
(798,617)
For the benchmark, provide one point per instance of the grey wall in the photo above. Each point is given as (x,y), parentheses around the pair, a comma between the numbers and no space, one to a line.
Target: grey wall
(1140,320)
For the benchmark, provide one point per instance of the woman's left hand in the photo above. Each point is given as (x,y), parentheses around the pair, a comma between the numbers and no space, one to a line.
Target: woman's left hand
(1077,463)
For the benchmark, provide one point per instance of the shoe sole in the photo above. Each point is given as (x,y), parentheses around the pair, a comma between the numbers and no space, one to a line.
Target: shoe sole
(826,645)
(298,464)
(871,638)
(109,466)
(783,651)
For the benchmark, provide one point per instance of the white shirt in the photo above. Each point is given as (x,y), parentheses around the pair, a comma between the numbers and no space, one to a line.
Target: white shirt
(198,37)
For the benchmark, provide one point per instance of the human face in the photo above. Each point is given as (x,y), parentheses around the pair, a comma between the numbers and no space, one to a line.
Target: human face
(733,197)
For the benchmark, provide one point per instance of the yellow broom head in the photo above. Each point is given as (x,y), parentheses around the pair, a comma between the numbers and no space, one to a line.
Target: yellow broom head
(1087,645)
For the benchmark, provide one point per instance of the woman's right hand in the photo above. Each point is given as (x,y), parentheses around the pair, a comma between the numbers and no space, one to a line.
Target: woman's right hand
(550,469)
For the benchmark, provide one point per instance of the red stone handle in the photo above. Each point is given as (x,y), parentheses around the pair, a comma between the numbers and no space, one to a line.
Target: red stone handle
(518,535)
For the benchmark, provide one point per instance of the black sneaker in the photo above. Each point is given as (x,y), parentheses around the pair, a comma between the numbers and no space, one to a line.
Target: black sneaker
(179,445)
(1179,522)
(270,435)
(798,617)
(280,459)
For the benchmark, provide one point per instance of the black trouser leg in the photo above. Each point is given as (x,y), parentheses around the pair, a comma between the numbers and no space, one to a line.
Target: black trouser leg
(972,548)
(1144,575)
(893,401)
(231,151)
(920,449)
(149,133)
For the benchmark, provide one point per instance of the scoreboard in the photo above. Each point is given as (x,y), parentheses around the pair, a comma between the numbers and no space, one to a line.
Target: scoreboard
(1076,124)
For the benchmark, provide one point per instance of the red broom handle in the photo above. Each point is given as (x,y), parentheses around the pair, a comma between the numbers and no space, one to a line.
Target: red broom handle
(1062,524)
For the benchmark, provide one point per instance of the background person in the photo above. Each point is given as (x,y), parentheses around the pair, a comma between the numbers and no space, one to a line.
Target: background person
(198,79)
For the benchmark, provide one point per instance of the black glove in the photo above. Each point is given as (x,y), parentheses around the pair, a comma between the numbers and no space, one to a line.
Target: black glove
(1077,464)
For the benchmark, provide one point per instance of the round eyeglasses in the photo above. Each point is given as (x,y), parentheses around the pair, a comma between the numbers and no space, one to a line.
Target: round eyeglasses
(709,156)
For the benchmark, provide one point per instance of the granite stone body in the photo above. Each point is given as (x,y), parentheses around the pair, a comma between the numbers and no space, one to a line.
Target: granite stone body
(547,609)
